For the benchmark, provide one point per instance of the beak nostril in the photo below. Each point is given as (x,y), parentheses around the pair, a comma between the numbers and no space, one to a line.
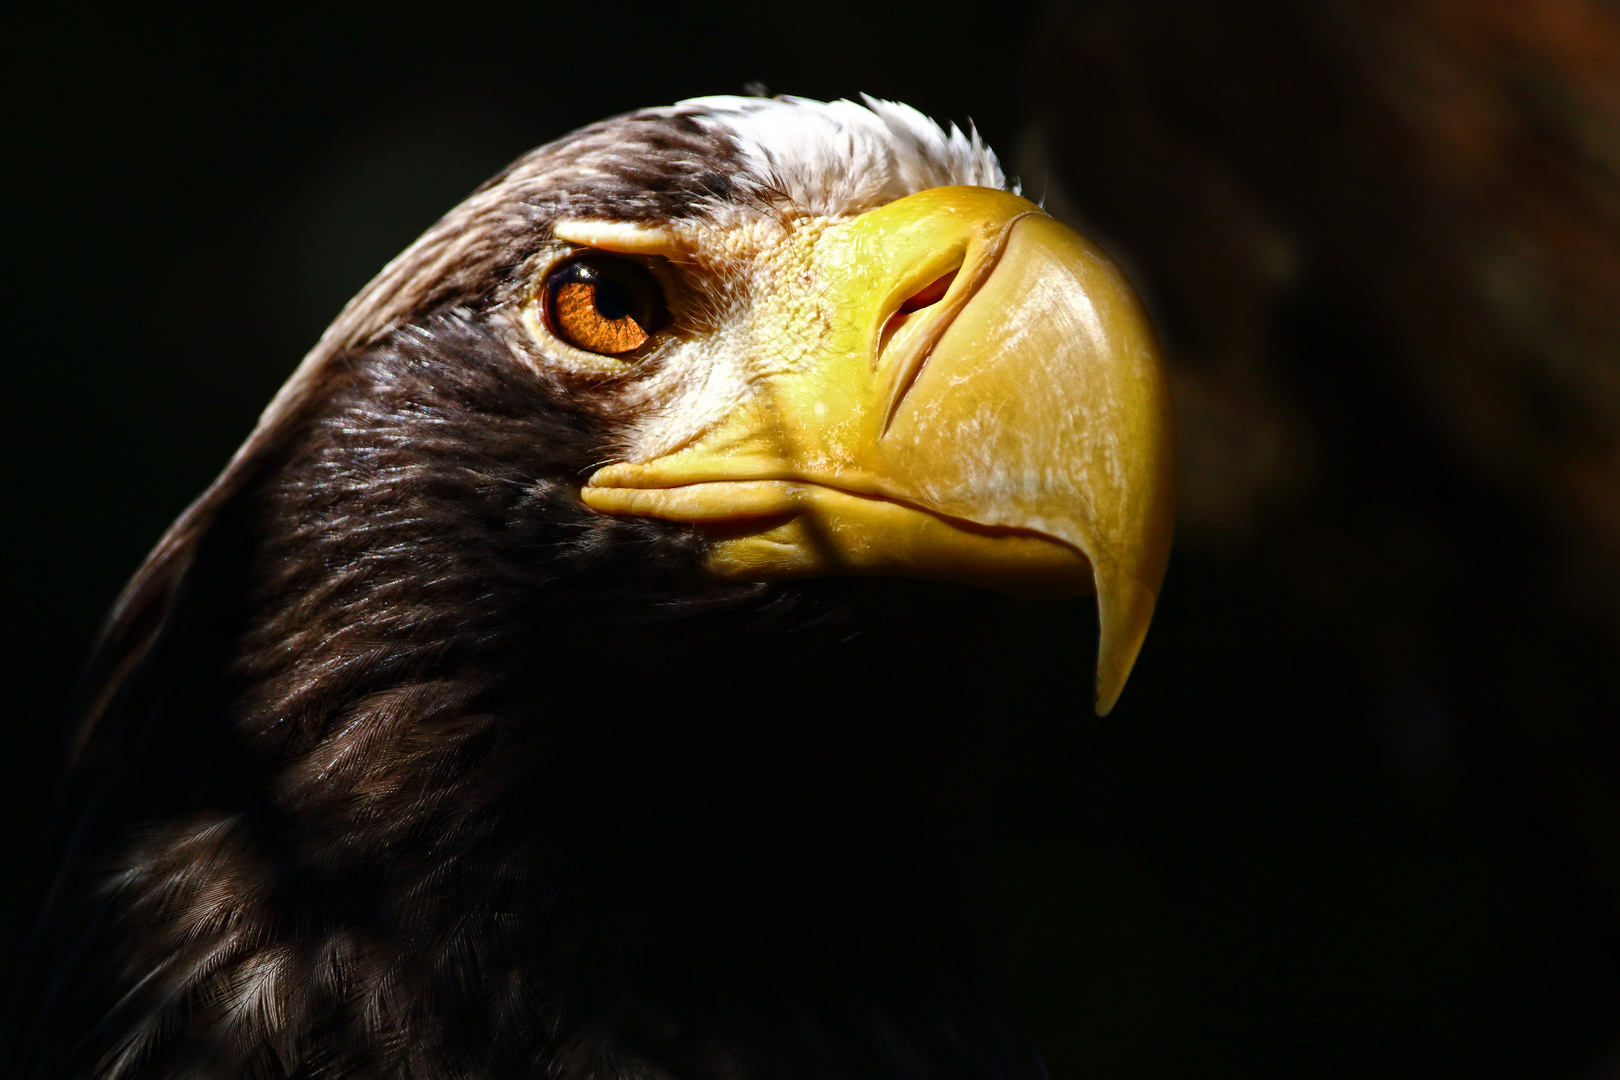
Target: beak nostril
(926,297)
(932,293)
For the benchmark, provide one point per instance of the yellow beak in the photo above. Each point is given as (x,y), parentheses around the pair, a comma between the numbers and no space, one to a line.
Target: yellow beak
(1017,433)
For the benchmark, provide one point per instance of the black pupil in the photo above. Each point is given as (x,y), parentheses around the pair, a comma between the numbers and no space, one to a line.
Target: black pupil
(613,300)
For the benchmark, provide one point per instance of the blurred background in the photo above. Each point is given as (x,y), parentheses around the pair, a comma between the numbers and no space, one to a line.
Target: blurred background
(1358,814)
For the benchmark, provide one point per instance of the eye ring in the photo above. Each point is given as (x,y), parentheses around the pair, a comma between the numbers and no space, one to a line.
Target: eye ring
(603,305)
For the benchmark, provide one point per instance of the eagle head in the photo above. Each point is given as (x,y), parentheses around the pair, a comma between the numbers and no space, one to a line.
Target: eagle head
(474,721)
(827,335)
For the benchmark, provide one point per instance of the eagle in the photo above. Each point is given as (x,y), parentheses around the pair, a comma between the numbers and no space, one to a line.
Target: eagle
(582,669)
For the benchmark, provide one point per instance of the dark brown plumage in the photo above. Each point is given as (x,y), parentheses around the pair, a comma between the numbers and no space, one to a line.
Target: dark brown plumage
(398,761)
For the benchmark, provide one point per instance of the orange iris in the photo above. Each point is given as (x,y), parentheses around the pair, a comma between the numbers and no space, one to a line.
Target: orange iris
(578,319)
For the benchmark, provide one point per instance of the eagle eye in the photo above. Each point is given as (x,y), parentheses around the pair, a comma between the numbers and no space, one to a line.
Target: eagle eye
(604,305)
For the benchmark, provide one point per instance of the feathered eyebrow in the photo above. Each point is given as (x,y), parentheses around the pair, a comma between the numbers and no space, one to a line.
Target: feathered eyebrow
(628,238)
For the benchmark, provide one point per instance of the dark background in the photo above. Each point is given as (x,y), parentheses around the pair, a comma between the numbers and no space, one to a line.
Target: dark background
(1358,813)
